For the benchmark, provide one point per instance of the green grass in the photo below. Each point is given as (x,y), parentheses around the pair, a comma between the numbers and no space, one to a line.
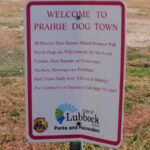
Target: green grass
(134,142)
(4,139)
(11,25)
(138,71)
(11,62)
(129,87)
(20,38)
(141,139)
(134,56)
(11,71)
(3,24)
(63,146)
(15,114)
(142,100)
(128,104)
(148,94)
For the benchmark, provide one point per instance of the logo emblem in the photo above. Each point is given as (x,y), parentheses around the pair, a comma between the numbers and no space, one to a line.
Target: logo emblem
(40,125)
(60,110)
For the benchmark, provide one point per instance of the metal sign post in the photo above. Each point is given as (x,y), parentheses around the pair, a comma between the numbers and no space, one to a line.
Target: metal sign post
(76,146)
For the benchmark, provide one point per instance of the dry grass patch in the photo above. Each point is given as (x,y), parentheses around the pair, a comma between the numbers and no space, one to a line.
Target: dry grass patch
(11,9)
(7,38)
(138,9)
(136,87)
(137,119)
(138,32)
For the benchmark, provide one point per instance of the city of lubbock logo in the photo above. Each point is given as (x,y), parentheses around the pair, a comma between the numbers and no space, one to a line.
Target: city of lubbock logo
(60,110)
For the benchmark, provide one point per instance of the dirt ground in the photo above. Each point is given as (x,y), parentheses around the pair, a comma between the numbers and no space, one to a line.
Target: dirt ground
(138,23)
(138,31)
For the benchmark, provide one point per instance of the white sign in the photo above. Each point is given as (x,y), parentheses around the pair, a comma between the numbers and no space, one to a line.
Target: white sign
(75,61)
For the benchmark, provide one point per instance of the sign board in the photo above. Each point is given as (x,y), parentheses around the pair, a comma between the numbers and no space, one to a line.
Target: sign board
(75,61)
